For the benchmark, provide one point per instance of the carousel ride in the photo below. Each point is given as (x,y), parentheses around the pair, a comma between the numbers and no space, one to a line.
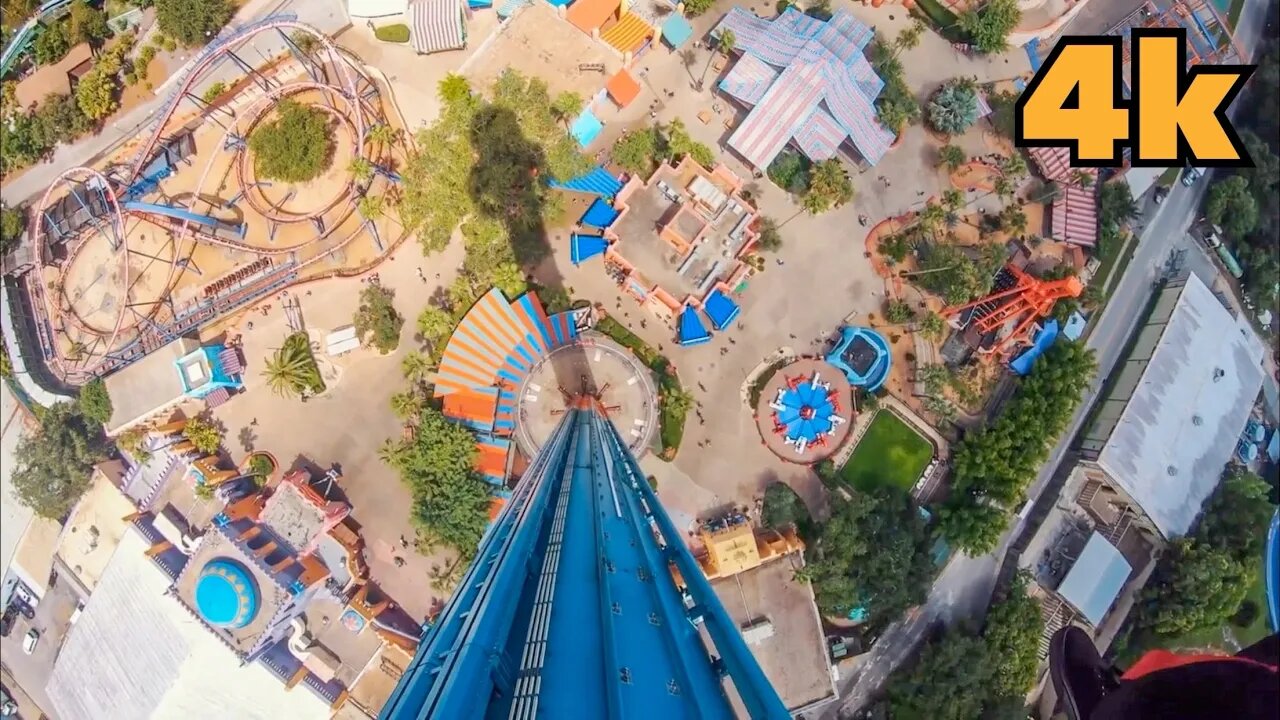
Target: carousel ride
(805,411)
(131,256)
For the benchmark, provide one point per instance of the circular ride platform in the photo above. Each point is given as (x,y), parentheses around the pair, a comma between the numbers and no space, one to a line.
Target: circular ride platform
(805,411)
(593,364)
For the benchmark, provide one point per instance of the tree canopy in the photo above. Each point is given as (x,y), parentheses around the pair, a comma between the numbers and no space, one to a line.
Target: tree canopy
(376,320)
(829,187)
(204,435)
(782,506)
(990,25)
(896,106)
(954,108)
(95,403)
(873,553)
(951,272)
(12,223)
(1231,205)
(295,146)
(993,466)
(291,371)
(52,466)
(192,22)
(88,24)
(450,500)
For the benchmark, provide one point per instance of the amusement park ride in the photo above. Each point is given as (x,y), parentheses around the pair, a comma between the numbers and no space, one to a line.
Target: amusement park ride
(125,205)
(1008,315)
(583,601)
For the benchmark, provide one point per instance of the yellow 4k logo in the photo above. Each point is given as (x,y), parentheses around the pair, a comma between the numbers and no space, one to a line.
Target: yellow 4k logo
(1175,115)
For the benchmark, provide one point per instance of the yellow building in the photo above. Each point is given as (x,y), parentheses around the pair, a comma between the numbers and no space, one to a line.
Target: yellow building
(736,548)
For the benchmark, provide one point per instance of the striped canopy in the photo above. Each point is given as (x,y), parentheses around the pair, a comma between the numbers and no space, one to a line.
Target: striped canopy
(436,25)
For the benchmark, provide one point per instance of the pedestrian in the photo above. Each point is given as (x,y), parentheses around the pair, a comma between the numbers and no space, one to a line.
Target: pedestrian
(254,422)
(249,325)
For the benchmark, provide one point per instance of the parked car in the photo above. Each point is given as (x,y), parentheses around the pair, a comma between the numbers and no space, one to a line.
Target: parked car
(1161,193)
(1190,176)
(24,608)
(29,641)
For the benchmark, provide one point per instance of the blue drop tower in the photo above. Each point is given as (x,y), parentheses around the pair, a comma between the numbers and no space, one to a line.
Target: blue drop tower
(583,602)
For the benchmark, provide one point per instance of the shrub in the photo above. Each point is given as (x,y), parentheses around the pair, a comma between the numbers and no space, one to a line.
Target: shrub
(294,147)
(954,108)
(213,92)
(898,312)
(52,44)
(398,33)
(377,317)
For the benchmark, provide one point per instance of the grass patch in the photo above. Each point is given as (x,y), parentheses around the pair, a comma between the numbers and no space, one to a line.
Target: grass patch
(673,402)
(891,453)
(941,18)
(1120,265)
(398,33)
(1214,638)
(763,379)
(1168,177)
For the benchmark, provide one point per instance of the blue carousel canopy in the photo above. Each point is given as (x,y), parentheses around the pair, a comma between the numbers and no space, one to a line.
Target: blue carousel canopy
(692,331)
(601,214)
(721,309)
(585,247)
(806,409)
(226,594)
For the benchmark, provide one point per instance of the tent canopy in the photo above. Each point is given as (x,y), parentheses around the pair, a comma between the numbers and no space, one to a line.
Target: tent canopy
(1043,341)
(623,88)
(585,247)
(436,25)
(692,331)
(676,30)
(1094,581)
(597,182)
(721,309)
(601,214)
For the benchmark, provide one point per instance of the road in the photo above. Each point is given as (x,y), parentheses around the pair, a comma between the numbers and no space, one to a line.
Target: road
(327,15)
(964,586)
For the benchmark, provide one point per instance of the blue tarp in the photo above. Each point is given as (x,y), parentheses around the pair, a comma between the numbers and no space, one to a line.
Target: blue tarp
(1033,54)
(597,182)
(692,331)
(720,309)
(1075,326)
(586,128)
(601,214)
(1044,339)
(585,247)
(676,31)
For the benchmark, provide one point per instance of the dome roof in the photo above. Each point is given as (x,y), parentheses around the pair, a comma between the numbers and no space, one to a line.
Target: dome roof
(226,594)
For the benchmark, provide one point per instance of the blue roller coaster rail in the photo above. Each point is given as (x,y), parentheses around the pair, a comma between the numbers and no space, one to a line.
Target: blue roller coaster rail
(571,607)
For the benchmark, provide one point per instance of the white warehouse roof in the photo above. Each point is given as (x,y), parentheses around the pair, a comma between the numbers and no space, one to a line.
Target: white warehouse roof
(1170,423)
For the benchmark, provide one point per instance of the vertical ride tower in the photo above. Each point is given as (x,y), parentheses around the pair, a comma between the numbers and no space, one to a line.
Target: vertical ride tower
(583,601)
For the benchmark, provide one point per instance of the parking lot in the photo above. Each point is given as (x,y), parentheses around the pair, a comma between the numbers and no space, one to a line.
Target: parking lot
(52,620)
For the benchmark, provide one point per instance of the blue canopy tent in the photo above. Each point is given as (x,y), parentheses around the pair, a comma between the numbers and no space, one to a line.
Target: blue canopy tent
(1075,326)
(586,128)
(676,30)
(601,214)
(720,309)
(1044,340)
(597,182)
(585,247)
(692,331)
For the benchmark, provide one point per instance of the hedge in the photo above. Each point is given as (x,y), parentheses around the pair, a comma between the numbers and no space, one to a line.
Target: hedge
(670,420)
(392,33)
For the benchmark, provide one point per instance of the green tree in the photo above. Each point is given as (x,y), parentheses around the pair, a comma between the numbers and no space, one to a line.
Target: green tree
(1231,206)
(213,92)
(361,169)
(1200,587)
(450,500)
(454,89)
(88,24)
(377,320)
(566,106)
(790,171)
(932,326)
(990,25)
(1235,516)
(951,157)
(372,207)
(634,152)
(13,222)
(873,553)
(295,146)
(896,106)
(52,44)
(508,278)
(954,108)
(96,94)
(1013,220)
(306,43)
(291,370)
(52,467)
(406,405)
(203,435)
(947,683)
(769,238)
(679,144)
(1116,205)
(192,22)
(1012,637)
(95,403)
(435,325)
(782,507)
(829,187)
(898,312)
(694,8)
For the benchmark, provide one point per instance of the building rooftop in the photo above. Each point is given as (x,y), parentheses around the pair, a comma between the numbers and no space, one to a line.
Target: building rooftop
(1095,580)
(269,593)
(94,530)
(293,516)
(147,386)
(1170,422)
(137,653)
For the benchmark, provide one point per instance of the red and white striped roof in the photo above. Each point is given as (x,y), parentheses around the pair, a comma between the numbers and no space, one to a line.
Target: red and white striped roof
(1075,216)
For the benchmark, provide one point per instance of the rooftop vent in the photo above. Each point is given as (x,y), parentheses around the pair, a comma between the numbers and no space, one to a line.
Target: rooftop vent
(1171,470)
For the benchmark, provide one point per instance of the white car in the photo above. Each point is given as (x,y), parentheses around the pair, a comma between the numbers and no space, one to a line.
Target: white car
(1190,176)
(29,641)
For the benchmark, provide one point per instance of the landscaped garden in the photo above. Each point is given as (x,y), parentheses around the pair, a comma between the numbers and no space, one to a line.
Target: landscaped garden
(890,453)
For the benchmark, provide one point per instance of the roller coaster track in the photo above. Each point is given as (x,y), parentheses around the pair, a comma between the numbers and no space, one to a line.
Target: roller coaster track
(215,52)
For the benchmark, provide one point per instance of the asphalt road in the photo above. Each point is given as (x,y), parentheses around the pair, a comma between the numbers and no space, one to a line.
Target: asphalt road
(964,587)
(326,15)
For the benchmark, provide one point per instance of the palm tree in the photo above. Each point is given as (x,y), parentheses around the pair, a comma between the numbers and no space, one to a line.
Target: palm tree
(931,217)
(1082,178)
(360,169)
(951,157)
(416,367)
(406,405)
(726,43)
(453,89)
(909,37)
(953,199)
(1003,187)
(392,452)
(371,207)
(1013,166)
(291,370)
(566,106)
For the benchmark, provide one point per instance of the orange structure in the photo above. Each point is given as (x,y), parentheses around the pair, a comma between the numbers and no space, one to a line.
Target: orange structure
(1017,300)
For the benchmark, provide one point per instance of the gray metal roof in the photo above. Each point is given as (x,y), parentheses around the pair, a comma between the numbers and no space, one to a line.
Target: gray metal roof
(1094,581)
(1181,401)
